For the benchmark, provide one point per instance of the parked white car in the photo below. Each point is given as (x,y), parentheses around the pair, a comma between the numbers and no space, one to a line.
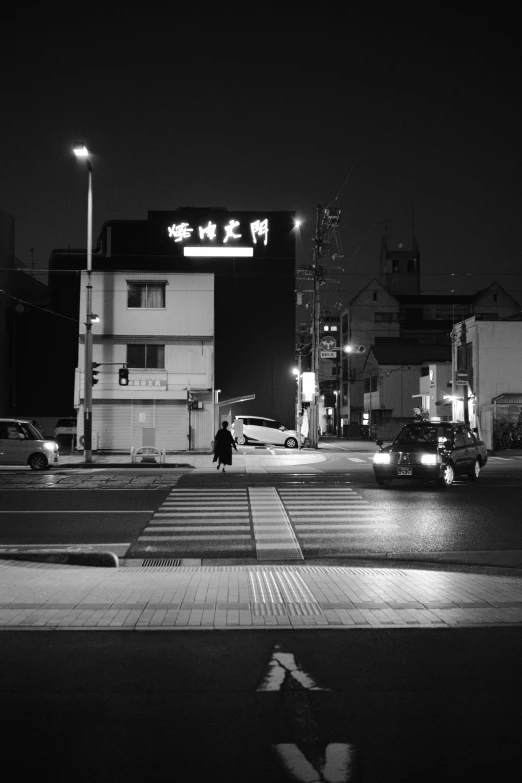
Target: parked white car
(259,429)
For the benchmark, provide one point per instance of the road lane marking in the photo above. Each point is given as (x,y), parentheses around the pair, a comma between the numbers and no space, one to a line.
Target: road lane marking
(61,511)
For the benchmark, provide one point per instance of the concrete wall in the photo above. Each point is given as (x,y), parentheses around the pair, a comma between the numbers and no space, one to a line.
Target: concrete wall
(497,366)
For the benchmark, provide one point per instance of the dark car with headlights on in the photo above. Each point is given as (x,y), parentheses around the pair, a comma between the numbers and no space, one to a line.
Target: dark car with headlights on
(431,451)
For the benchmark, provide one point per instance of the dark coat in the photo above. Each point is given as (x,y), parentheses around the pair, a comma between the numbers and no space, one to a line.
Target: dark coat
(223,445)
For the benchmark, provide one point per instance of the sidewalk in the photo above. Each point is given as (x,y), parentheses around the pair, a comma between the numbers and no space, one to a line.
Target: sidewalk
(246,459)
(60,597)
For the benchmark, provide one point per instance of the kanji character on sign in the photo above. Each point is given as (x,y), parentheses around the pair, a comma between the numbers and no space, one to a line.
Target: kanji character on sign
(230,231)
(178,233)
(259,228)
(209,231)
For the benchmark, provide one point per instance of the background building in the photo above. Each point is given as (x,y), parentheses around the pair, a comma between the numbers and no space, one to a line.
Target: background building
(28,354)
(158,326)
(392,315)
(251,259)
(489,352)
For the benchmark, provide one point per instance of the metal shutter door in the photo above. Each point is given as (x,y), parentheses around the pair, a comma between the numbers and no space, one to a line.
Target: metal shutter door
(112,421)
(171,425)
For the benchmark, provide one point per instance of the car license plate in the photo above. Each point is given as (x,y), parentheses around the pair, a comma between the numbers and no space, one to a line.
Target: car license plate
(404,471)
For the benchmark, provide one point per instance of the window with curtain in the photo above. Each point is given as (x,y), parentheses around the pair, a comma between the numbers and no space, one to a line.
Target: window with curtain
(149,357)
(146,295)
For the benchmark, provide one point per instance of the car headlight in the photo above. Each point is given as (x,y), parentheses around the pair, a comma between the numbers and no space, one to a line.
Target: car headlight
(381,458)
(51,445)
(429,459)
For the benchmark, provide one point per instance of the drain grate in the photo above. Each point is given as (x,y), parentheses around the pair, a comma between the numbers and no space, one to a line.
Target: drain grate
(156,563)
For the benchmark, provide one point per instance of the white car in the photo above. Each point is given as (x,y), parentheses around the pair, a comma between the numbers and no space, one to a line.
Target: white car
(23,444)
(65,427)
(259,429)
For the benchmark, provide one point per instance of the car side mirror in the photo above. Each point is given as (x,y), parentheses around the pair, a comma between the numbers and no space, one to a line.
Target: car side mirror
(379,442)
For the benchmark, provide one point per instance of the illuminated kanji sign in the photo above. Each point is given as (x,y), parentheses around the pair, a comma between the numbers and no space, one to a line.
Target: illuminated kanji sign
(226,233)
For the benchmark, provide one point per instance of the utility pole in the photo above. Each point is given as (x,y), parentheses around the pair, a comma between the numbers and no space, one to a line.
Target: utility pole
(326,223)
(299,399)
(316,307)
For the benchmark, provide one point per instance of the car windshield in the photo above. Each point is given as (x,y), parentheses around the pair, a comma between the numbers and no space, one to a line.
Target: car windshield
(423,433)
(30,432)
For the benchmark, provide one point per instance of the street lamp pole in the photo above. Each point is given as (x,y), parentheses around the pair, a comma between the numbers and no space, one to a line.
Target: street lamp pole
(81,151)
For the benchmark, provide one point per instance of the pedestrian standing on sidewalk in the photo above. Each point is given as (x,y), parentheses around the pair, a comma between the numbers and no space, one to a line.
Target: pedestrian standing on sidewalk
(223,444)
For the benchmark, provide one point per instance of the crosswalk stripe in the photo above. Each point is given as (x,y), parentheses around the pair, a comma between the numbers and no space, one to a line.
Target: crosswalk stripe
(190,514)
(370,527)
(204,538)
(199,529)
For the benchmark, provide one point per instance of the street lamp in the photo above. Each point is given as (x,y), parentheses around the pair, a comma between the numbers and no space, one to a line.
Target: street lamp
(82,153)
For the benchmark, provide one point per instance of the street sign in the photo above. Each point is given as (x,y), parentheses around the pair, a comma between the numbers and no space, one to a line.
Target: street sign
(328,343)
(328,354)
(462,377)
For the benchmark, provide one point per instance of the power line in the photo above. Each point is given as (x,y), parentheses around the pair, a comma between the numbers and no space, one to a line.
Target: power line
(30,304)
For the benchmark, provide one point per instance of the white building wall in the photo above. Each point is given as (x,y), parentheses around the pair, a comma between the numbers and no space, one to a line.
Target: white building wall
(185,326)
(497,367)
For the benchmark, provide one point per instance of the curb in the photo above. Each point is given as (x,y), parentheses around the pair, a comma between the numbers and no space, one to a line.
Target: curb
(93,559)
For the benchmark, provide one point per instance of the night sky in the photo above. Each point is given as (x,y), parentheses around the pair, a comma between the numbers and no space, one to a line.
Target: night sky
(251,107)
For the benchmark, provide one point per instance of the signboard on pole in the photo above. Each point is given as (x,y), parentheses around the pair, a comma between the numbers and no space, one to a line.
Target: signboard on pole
(327,354)
(328,343)
(462,377)
(308,390)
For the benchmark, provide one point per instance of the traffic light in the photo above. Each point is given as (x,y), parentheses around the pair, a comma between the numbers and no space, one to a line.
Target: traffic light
(355,348)
(123,374)
(95,373)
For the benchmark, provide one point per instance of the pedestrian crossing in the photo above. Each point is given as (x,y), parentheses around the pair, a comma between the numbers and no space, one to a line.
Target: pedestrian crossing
(199,523)
(284,523)
(335,517)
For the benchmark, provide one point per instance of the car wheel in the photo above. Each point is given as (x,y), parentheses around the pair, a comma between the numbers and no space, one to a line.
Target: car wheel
(241,441)
(38,462)
(447,478)
(384,482)
(475,473)
(290,443)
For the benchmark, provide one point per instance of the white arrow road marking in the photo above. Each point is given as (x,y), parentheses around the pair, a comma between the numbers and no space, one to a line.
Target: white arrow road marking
(282,665)
(337,765)
(309,761)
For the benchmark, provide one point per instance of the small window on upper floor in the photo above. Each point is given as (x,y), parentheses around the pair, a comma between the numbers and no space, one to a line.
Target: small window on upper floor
(334,329)
(150,295)
(375,296)
(495,297)
(146,357)
(326,328)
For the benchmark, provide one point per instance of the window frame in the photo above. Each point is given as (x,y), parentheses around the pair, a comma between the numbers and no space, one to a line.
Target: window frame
(145,346)
(157,283)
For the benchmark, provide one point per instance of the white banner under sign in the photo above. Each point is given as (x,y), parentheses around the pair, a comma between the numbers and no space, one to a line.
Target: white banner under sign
(149,383)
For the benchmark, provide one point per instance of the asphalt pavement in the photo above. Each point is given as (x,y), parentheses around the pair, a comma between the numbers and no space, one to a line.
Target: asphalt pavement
(373,592)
